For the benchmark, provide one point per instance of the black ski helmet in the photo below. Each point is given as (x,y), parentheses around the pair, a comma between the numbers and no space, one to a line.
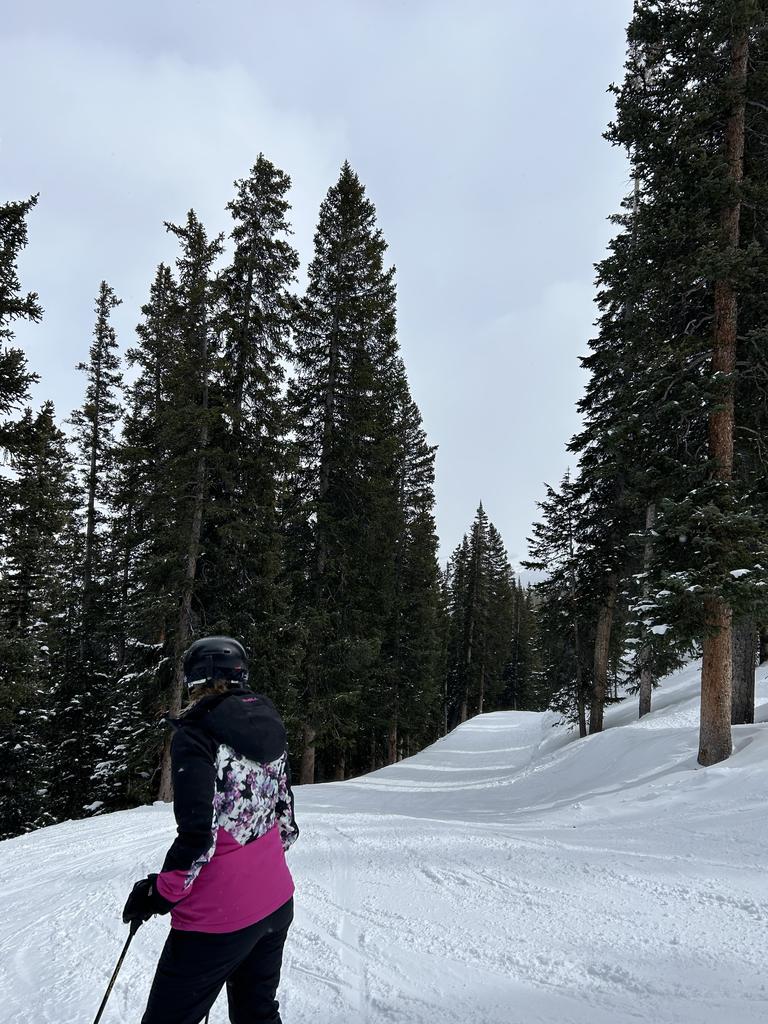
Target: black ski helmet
(215,657)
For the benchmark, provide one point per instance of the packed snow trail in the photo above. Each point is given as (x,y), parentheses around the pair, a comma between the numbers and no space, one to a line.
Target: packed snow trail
(506,874)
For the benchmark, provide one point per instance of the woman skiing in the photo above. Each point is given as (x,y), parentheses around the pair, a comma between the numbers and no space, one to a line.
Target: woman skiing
(224,880)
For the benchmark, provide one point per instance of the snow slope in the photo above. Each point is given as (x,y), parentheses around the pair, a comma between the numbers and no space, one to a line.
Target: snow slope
(505,874)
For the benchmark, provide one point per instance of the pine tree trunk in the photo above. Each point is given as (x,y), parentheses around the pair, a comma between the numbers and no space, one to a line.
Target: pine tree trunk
(392,742)
(602,656)
(743,675)
(481,697)
(581,709)
(307,772)
(715,743)
(763,656)
(646,652)
(340,770)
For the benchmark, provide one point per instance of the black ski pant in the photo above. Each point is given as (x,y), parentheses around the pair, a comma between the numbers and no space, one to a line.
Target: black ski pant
(194,966)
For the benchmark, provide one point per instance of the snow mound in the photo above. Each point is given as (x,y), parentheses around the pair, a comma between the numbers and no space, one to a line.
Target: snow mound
(509,873)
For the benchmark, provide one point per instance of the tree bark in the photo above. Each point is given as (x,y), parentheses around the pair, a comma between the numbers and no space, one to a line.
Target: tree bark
(744,650)
(340,770)
(646,669)
(307,772)
(392,741)
(715,743)
(763,656)
(602,655)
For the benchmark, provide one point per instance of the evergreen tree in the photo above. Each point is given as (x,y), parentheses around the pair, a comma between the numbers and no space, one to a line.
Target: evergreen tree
(15,378)
(564,605)
(411,690)
(487,655)
(522,686)
(343,513)
(191,460)
(696,127)
(82,698)
(243,586)
(95,424)
(167,459)
(457,587)
(39,610)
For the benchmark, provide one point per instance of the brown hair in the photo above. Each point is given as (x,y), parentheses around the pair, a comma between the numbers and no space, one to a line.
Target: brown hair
(208,688)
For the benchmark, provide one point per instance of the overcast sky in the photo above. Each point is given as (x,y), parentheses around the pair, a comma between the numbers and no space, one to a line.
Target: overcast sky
(474,124)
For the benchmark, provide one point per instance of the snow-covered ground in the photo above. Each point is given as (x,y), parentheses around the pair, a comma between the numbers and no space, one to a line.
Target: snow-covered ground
(506,874)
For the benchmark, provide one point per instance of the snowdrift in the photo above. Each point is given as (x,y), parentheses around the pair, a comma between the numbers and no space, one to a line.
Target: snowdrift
(508,873)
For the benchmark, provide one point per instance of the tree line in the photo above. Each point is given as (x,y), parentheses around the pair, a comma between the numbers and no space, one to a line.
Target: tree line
(254,465)
(657,546)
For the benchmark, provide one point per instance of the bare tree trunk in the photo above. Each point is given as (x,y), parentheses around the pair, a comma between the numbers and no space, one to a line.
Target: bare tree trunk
(602,655)
(743,674)
(715,743)
(307,771)
(646,670)
(340,772)
(481,697)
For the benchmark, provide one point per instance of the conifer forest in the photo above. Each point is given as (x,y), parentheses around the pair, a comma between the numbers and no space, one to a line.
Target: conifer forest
(251,462)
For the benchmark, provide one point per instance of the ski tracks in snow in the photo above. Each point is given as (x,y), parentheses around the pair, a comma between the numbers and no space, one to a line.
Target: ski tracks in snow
(506,875)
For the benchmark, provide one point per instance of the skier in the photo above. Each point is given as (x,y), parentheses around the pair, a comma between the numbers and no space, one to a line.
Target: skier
(224,881)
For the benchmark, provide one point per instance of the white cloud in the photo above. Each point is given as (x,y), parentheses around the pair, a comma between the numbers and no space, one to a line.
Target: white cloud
(116,144)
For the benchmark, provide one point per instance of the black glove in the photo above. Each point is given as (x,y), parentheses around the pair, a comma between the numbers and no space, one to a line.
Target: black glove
(145,900)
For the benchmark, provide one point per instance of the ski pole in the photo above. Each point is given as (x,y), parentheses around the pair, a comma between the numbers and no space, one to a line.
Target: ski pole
(135,925)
